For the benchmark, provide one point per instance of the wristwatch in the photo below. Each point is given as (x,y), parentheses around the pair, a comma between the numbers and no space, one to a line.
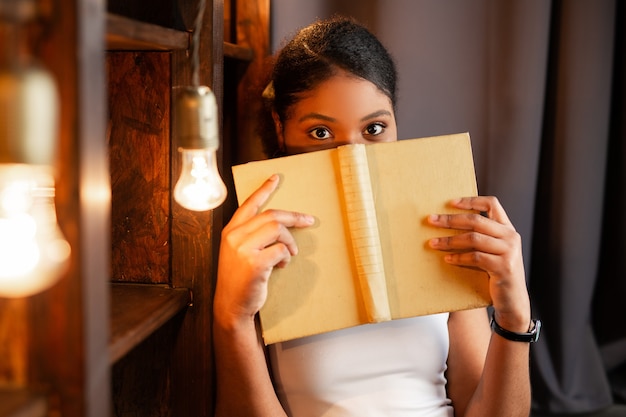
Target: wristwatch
(529,337)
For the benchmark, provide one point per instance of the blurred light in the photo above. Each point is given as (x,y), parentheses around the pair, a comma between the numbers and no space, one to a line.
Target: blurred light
(33,252)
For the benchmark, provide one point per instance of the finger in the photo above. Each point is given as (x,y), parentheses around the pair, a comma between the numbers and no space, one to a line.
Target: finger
(486,204)
(252,205)
(470,242)
(286,218)
(470,221)
(271,233)
(502,270)
(480,260)
(277,255)
(273,219)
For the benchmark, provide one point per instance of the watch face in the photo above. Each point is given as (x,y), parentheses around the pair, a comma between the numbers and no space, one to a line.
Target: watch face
(536,330)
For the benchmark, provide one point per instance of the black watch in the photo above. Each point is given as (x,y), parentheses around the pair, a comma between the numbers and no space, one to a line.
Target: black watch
(530,337)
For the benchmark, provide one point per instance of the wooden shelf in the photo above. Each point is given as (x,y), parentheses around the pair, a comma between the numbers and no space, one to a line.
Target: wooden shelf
(124,33)
(15,402)
(235,51)
(137,310)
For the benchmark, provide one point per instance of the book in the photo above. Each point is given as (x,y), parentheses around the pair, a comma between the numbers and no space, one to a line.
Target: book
(366,259)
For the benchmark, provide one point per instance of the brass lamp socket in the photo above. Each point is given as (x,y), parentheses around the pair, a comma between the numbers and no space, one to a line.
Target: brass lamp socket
(196,118)
(29,112)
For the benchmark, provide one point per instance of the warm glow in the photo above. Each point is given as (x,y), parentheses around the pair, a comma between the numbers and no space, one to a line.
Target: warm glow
(33,252)
(200,186)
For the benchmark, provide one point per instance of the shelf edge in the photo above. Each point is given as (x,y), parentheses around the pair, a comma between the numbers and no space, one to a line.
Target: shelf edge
(238,52)
(124,33)
(127,330)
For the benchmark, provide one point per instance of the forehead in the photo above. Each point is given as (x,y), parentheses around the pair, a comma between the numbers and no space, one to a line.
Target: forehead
(342,96)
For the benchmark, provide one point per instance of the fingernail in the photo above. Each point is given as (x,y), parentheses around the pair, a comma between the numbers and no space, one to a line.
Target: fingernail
(309,219)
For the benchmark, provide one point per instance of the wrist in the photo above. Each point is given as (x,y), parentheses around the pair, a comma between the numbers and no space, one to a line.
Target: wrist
(232,321)
(529,336)
(516,318)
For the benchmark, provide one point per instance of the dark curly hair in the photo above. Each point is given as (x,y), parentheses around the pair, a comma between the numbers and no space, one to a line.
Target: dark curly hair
(316,53)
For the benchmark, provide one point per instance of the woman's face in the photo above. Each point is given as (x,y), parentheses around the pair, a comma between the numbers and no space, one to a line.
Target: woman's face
(341,110)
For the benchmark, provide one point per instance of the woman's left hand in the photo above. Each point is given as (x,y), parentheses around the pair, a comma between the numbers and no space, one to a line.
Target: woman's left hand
(489,242)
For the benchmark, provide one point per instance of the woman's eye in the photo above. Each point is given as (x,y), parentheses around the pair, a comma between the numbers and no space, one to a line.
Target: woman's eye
(374,129)
(320,133)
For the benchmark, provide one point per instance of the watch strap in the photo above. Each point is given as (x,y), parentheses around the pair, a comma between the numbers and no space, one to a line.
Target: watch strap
(529,337)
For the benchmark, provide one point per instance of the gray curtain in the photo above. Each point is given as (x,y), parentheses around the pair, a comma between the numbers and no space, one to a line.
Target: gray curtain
(576,279)
(541,87)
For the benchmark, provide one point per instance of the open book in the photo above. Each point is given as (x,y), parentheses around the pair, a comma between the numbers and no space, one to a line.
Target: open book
(367,257)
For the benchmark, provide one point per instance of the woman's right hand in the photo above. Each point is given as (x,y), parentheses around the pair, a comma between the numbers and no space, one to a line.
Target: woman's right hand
(252,244)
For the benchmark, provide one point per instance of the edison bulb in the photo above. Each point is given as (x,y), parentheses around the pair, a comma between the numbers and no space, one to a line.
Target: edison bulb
(200,186)
(33,251)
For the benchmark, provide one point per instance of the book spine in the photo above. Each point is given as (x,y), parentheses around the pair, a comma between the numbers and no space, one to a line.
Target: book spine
(363,227)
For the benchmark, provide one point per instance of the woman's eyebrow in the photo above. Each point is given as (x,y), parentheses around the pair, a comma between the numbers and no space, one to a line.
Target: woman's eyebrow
(376,114)
(319,116)
(316,116)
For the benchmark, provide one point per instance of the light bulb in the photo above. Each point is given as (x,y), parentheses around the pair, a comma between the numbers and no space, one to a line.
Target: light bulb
(200,186)
(33,252)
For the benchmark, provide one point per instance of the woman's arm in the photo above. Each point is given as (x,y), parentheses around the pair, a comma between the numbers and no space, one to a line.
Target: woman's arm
(244,387)
(253,243)
(488,375)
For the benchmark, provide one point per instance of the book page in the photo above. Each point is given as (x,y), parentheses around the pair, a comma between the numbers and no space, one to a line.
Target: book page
(317,290)
(411,180)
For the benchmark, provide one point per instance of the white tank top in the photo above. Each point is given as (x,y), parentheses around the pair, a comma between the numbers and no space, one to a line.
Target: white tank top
(391,369)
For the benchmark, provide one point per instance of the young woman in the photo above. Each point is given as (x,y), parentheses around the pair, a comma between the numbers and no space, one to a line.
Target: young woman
(335,84)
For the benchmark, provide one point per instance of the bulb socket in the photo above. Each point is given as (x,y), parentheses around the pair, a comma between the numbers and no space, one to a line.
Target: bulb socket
(29,113)
(196,118)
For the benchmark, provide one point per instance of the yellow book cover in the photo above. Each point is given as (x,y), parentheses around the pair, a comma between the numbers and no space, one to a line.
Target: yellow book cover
(366,259)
